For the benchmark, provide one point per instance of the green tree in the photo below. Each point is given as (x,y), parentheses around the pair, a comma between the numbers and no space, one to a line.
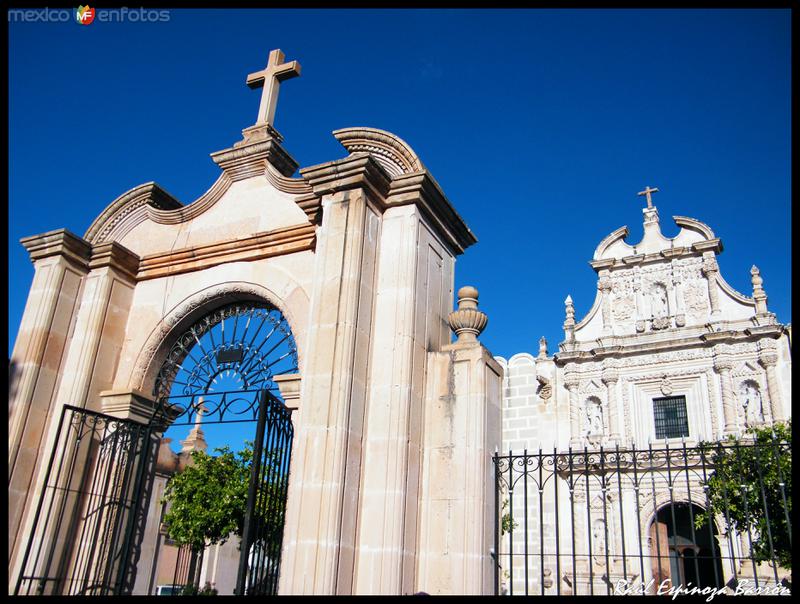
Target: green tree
(207,500)
(735,489)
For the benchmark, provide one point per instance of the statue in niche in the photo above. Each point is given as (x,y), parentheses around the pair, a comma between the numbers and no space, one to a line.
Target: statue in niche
(659,306)
(594,417)
(599,541)
(751,402)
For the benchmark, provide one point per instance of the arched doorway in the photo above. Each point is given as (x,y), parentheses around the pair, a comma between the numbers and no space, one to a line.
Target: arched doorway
(685,553)
(223,368)
(91,515)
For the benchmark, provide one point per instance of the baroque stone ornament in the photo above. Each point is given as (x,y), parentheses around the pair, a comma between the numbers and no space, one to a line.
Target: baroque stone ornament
(624,307)
(545,390)
(666,386)
(759,295)
(569,322)
(467,322)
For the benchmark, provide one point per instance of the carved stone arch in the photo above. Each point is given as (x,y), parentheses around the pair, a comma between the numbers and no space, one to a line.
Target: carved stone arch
(188,311)
(650,508)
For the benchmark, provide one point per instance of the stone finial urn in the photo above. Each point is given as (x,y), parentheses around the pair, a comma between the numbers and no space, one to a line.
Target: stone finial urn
(467,322)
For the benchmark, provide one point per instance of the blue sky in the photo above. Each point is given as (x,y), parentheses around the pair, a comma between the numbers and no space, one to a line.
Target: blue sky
(540,126)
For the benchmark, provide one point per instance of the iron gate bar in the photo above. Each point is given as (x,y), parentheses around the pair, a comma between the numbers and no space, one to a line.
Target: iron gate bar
(69,556)
(139,507)
(691,513)
(707,506)
(782,485)
(766,509)
(39,508)
(679,474)
(497,520)
(251,494)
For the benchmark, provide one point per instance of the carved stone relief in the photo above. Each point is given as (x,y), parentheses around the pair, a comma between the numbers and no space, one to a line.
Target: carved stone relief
(624,307)
(696,299)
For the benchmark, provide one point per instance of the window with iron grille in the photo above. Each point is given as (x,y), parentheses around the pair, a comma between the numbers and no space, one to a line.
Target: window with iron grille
(670,417)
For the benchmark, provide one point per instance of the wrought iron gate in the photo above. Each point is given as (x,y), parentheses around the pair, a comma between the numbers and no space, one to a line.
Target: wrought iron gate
(223,367)
(89,519)
(636,521)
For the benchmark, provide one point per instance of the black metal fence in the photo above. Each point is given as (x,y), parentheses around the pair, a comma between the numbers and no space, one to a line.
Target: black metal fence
(88,522)
(645,521)
(259,562)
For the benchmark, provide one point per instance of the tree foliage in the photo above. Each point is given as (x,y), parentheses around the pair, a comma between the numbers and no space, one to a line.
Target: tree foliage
(207,500)
(751,486)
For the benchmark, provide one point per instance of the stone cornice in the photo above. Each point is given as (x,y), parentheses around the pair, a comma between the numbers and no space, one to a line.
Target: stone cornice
(278,242)
(311,205)
(422,189)
(706,340)
(393,153)
(712,245)
(361,170)
(293,186)
(773,331)
(599,265)
(148,194)
(60,242)
(128,404)
(184,213)
(115,256)
(357,171)
(251,159)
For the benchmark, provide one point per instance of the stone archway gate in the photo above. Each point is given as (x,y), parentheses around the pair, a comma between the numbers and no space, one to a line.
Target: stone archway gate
(359,255)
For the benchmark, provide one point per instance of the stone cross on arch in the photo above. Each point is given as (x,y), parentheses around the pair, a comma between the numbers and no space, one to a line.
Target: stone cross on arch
(647,191)
(270,79)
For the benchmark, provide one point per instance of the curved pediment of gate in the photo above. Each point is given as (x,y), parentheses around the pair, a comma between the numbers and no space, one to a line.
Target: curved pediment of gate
(394,154)
(147,220)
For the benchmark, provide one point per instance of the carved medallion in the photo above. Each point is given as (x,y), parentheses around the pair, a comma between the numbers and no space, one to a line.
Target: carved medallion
(624,307)
(696,298)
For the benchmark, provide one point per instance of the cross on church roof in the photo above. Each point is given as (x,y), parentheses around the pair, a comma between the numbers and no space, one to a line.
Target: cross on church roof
(647,191)
(270,78)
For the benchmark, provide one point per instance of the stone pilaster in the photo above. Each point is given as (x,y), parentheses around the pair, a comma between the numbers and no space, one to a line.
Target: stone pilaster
(462,420)
(322,507)
(90,355)
(710,270)
(100,324)
(610,377)
(768,359)
(413,296)
(604,286)
(60,262)
(571,384)
(723,365)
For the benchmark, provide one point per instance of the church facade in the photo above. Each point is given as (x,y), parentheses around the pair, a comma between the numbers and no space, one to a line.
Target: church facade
(319,308)
(668,356)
